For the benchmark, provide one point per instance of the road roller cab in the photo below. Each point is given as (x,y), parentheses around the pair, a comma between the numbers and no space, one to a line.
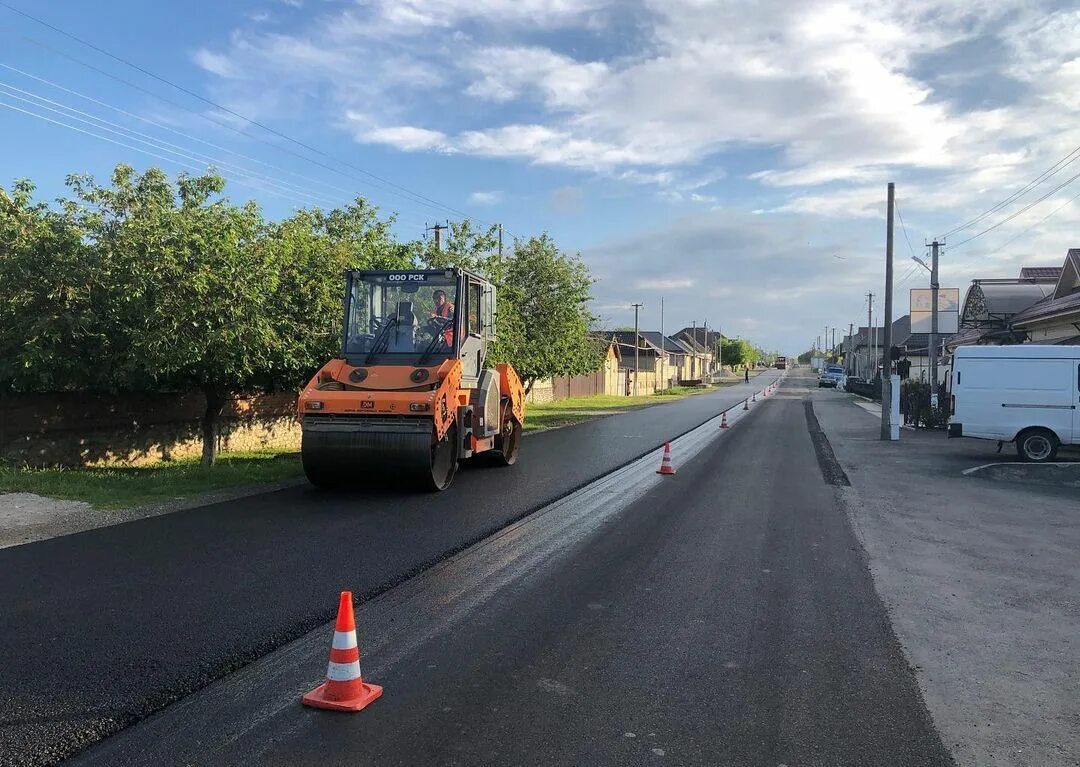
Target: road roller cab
(412,393)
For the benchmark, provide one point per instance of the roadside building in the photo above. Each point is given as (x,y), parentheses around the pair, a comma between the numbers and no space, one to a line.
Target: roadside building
(1056,318)
(989,306)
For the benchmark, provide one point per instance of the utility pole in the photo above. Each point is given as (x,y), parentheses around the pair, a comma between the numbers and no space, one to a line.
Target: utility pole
(500,242)
(848,347)
(833,347)
(439,229)
(870,336)
(887,394)
(663,343)
(637,348)
(934,246)
(693,351)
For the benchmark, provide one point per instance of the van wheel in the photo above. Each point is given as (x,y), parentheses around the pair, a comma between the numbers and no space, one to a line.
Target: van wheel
(1037,445)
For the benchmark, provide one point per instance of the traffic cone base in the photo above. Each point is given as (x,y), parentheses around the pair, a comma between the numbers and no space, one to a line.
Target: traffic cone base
(344,689)
(317,698)
(746,405)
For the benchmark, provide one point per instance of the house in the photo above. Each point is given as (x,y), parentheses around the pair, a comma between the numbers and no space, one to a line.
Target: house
(701,344)
(645,364)
(865,355)
(674,360)
(1056,318)
(915,348)
(989,306)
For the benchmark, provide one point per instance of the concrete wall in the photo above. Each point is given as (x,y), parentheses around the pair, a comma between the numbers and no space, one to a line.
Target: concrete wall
(75,429)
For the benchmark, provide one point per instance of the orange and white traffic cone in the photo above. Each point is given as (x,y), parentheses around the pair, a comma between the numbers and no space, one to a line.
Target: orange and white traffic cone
(723,420)
(754,398)
(746,404)
(665,464)
(344,689)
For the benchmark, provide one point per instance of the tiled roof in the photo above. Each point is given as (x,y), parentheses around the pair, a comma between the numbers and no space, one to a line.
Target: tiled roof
(1040,272)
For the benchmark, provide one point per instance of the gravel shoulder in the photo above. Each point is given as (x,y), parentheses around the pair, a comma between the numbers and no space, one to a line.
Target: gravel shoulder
(981,583)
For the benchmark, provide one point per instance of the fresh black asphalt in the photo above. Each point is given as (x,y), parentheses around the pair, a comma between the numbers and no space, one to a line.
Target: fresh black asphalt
(104,627)
(726,618)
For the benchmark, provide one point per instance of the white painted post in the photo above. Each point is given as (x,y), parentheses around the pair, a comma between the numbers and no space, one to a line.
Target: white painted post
(894,407)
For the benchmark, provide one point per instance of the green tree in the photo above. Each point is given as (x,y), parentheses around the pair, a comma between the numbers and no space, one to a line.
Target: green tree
(50,299)
(738,351)
(207,295)
(542,297)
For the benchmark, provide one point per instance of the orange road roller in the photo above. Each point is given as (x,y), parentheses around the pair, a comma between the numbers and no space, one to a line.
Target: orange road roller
(412,394)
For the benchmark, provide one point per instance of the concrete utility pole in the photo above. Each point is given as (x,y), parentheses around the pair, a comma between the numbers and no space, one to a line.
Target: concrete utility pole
(693,351)
(887,381)
(934,322)
(848,347)
(637,348)
(663,344)
(438,229)
(500,241)
(870,336)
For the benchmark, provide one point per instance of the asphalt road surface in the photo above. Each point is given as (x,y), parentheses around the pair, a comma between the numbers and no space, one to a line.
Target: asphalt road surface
(104,627)
(725,616)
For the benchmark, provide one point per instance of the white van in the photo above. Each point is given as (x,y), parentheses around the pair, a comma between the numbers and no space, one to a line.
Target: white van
(1028,394)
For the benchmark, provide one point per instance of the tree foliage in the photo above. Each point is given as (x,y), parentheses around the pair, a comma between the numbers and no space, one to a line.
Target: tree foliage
(542,299)
(145,283)
(142,284)
(738,351)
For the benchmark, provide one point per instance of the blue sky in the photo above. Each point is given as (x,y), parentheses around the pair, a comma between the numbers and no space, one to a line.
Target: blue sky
(731,157)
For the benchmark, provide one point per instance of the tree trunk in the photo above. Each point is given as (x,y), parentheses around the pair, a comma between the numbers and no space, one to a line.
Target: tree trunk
(529,381)
(215,403)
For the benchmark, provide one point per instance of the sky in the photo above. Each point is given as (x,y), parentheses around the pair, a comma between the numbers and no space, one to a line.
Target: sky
(728,157)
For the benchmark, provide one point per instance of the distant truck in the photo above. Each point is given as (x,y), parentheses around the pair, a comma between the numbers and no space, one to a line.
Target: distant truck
(817,364)
(781,363)
(1025,394)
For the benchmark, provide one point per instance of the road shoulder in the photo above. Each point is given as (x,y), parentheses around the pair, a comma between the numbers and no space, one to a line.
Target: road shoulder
(980,580)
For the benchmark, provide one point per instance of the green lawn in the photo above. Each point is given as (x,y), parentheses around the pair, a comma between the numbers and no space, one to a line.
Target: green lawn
(548,415)
(121,487)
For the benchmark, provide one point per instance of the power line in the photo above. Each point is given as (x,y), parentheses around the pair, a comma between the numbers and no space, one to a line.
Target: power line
(135,148)
(1046,174)
(1052,213)
(210,119)
(903,228)
(225,109)
(159,144)
(1019,212)
(174,131)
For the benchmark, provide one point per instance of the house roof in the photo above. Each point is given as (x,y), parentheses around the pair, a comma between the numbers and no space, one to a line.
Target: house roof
(627,351)
(650,338)
(1040,272)
(993,302)
(702,336)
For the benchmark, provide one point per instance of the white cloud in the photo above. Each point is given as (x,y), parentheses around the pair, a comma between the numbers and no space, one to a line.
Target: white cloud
(215,63)
(669,283)
(406,138)
(507,73)
(485,198)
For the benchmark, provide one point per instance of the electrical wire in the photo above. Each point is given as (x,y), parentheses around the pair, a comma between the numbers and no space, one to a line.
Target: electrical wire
(1045,175)
(903,228)
(1052,213)
(172,130)
(137,149)
(158,144)
(416,196)
(1026,208)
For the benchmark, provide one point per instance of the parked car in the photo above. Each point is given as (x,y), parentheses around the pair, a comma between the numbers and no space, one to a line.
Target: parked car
(1026,394)
(831,378)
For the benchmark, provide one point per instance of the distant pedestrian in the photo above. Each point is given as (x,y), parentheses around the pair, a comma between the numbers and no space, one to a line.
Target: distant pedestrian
(746,375)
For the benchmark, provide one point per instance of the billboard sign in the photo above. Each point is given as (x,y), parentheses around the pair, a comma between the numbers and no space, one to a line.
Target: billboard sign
(922,304)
